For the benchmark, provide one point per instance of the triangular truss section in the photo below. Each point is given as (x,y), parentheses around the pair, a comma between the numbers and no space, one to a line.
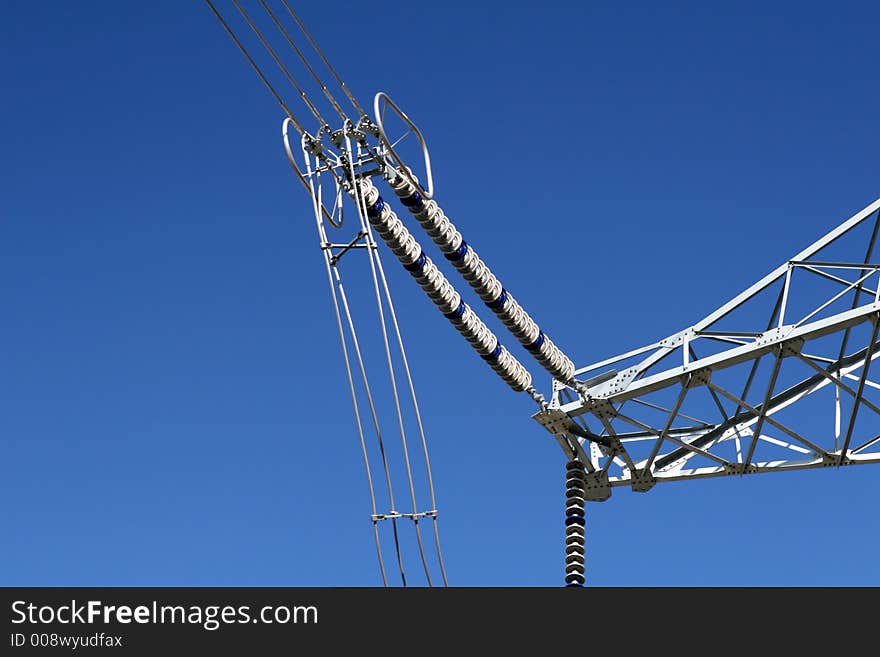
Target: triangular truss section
(778,378)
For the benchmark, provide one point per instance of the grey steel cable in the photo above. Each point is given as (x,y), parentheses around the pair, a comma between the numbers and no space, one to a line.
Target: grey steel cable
(369,394)
(323,57)
(330,270)
(378,273)
(293,120)
(416,514)
(334,273)
(418,416)
(320,152)
(305,183)
(374,415)
(357,416)
(281,65)
(365,225)
(430,479)
(258,71)
(396,396)
(305,61)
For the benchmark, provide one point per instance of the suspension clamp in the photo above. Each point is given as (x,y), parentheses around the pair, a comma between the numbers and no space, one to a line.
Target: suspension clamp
(356,132)
(336,137)
(385,516)
(313,145)
(364,124)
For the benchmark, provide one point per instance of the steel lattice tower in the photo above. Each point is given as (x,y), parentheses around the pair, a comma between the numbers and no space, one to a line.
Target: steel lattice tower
(776,379)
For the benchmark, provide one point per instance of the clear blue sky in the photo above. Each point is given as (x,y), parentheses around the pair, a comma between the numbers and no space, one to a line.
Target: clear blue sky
(172,407)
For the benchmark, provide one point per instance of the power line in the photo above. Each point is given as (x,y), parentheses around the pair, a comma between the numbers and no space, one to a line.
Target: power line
(324,58)
(281,65)
(256,68)
(305,61)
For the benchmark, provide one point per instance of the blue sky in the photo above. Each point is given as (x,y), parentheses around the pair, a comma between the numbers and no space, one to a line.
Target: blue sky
(172,394)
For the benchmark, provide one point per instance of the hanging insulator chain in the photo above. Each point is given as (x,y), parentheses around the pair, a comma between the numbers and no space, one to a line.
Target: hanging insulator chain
(440,290)
(575,492)
(472,268)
